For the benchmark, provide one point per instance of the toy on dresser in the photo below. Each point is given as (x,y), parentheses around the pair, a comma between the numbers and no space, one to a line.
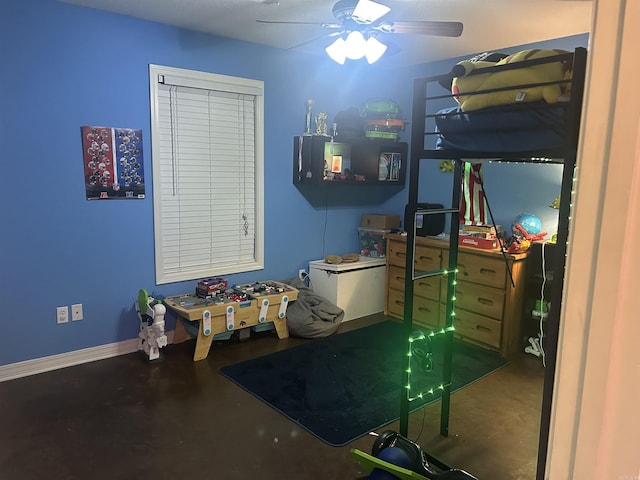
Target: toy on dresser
(526,228)
(151,337)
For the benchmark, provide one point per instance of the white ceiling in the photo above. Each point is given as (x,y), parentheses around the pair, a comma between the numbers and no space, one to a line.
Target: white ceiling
(488,24)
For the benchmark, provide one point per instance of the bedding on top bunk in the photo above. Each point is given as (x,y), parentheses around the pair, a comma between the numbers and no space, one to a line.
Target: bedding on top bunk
(512,79)
(515,106)
(506,128)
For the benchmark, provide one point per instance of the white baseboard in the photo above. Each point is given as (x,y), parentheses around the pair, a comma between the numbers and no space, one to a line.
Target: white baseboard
(62,360)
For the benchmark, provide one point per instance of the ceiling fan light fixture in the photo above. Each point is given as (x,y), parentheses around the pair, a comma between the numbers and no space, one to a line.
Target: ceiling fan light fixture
(374,50)
(355,45)
(368,11)
(337,51)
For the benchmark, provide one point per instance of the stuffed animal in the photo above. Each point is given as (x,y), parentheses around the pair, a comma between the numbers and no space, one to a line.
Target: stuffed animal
(521,240)
(546,72)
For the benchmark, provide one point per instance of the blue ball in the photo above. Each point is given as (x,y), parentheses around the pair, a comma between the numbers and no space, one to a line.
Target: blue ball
(530,222)
(393,455)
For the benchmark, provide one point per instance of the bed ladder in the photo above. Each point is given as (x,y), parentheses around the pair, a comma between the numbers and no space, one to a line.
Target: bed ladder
(412,275)
(420,153)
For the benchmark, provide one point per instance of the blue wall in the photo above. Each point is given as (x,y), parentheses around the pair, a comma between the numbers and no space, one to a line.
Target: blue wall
(66,66)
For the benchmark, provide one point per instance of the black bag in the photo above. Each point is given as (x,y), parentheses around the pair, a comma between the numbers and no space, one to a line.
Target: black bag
(427,225)
(349,123)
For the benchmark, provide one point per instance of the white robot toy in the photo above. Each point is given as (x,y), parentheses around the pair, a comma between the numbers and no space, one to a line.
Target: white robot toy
(151,337)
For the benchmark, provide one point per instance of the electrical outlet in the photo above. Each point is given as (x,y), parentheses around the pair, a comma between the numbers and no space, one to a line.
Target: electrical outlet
(76,312)
(302,274)
(62,314)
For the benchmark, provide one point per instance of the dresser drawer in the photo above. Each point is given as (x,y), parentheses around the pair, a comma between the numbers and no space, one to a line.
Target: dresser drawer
(426,259)
(425,287)
(396,254)
(477,298)
(396,277)
(395,303)
(480,269)
(426,312)
(428,287)
(478,328)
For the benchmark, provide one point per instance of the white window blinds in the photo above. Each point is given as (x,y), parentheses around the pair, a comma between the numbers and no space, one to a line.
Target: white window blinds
(207,171)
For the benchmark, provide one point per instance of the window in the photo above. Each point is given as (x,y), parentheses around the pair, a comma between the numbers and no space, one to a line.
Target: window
(207,162)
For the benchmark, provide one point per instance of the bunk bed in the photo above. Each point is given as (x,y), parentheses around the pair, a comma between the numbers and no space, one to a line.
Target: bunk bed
(538,131)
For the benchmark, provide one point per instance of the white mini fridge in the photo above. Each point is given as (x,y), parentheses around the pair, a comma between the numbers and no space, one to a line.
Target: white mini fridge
(357,288)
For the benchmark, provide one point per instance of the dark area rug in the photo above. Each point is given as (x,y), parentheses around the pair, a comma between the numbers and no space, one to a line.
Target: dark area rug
(341,387)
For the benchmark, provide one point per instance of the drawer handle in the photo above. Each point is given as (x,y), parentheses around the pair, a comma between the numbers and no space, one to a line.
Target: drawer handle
(401,279)
(485,301)
(424,284)
(398,302)
(485,271)
(401,254)
(427,258)
(424,309)
(483,328)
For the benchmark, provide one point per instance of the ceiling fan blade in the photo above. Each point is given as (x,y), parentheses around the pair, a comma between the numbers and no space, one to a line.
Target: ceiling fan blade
(368,11)
(419,27)
(319,24)
(316,39)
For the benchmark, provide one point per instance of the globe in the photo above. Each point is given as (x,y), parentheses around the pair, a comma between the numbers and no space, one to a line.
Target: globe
(530,222)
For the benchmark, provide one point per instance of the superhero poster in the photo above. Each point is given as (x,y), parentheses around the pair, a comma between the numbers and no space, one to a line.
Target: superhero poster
(113,167)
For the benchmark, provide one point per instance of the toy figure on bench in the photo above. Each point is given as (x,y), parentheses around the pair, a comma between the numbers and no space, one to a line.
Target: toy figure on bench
(151,337)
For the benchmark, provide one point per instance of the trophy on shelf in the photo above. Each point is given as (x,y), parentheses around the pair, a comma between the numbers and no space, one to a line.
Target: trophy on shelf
(321,123)
(307,130)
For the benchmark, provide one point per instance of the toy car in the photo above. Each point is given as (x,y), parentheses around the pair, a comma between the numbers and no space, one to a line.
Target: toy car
(210,287)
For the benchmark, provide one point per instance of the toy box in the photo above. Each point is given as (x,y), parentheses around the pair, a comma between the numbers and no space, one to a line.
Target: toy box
(373,242)
(357,287)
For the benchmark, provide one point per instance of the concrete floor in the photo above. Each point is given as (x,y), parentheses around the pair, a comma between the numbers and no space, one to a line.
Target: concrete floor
(123,418)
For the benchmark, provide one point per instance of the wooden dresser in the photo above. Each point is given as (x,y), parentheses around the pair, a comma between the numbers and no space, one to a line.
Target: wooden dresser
(488,307)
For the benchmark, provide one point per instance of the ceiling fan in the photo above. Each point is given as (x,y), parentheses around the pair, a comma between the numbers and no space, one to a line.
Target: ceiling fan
(358,24)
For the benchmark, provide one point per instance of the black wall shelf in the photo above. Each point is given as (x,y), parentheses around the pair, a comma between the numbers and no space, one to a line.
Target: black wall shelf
(341,161)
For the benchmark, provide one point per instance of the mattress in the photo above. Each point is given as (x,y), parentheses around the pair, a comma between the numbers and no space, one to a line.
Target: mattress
(509,128)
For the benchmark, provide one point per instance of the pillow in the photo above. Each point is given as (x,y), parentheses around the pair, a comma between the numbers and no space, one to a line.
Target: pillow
(547,72)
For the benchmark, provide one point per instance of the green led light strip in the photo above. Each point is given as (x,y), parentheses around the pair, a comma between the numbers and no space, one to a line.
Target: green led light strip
(421,336)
